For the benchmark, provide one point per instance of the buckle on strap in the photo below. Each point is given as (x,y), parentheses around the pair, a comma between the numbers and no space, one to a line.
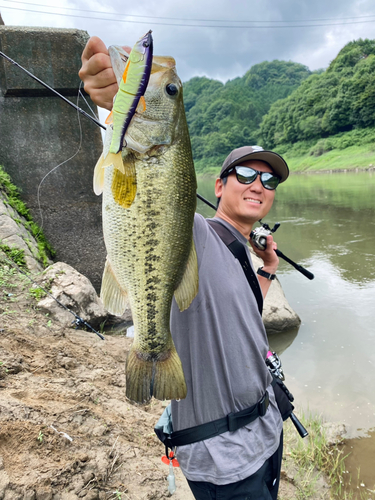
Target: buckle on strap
(263,404)
(244,417)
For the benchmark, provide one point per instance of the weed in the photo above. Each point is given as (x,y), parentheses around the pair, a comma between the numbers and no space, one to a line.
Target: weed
(15,255)
(37,292)
(314,456)
(40,437)
(13,199)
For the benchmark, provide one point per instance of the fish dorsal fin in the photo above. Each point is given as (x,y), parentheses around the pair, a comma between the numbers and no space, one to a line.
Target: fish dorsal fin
(124,184)
(159,63)
(114,297)
(99,176)
(188,287)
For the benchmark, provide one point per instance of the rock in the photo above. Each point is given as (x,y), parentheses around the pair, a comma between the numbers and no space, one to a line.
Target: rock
(333,432)
(75,292)
(4,483)
(277,313)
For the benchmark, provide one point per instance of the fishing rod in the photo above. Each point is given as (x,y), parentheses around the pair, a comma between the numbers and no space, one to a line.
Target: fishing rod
(97,122)
(299,268)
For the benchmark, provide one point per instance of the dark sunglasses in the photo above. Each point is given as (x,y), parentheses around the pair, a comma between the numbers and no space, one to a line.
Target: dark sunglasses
(247,175)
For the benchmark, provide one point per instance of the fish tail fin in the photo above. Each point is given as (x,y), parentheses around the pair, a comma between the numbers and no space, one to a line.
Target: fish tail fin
(162,378)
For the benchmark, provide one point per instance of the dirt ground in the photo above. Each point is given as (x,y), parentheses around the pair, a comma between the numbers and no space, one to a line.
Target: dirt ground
(66,430)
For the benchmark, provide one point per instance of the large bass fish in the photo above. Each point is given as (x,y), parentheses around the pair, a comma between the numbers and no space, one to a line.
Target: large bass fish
(148,210)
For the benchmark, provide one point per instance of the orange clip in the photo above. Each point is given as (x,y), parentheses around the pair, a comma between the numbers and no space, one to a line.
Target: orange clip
(174,461)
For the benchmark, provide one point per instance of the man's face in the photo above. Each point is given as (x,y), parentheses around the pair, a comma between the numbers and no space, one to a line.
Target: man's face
(245,203)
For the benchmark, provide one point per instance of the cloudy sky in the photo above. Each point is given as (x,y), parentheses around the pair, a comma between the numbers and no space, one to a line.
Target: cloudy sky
(221,39)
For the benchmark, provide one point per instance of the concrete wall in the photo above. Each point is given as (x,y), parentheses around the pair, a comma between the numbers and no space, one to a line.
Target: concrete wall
(38,131)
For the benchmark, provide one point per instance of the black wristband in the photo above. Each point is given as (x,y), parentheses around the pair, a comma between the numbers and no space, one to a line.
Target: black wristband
(265,274)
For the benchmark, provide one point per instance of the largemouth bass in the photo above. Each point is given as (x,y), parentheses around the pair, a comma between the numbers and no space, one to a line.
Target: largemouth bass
(148,236)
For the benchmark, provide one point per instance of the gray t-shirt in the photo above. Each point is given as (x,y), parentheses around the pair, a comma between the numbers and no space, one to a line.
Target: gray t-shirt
(223,345)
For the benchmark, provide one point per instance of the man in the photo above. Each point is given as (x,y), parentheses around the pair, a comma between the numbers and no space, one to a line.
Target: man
(220,338)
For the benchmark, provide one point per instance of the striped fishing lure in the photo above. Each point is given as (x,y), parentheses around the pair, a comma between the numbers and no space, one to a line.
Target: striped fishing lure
(132,86)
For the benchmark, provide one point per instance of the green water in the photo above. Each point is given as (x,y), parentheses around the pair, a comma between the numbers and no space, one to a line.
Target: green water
(328,226)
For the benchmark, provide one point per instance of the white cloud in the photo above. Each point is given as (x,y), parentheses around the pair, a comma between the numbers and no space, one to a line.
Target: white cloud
(221,53)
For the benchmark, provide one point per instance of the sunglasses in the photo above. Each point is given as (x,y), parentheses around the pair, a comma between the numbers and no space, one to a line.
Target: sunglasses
(247,175)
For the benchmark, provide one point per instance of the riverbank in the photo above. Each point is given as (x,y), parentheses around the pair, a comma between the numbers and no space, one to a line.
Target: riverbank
(63,409)
(353,158)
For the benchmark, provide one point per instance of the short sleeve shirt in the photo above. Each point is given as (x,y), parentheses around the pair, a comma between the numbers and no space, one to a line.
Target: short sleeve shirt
(223,345)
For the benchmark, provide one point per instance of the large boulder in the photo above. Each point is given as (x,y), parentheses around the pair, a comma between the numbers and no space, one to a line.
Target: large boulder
(278,316)
(77,294)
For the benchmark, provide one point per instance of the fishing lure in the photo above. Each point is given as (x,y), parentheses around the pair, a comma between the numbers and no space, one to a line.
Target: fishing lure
(132,87)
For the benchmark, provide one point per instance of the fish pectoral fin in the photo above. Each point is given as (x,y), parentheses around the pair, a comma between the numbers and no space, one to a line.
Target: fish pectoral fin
(114,159)
(188,287)
(124,184)
(162,378)
(99,176)
(114,297)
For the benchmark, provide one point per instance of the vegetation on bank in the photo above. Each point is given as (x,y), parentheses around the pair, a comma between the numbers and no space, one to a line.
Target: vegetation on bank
(45,251)
(339,100)
(321,120)
(344,151)
(225,116)
(315,465)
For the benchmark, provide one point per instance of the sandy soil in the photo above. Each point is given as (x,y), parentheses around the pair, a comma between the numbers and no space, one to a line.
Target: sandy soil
(66,429)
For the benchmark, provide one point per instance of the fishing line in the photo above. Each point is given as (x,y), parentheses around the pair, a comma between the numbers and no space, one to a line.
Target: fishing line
(79,110)
(184,25)
(87,103)
(62,163)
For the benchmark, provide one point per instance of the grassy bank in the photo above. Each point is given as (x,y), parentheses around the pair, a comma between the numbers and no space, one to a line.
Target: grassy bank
(352,158)
(346,151)
(314,467)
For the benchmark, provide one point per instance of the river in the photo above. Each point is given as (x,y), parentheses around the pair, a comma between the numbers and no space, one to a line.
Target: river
(328,226)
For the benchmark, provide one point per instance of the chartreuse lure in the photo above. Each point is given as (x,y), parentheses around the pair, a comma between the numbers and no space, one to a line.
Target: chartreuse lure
(129,97)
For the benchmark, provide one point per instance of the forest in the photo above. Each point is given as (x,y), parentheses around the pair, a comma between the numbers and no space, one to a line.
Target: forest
(284,106)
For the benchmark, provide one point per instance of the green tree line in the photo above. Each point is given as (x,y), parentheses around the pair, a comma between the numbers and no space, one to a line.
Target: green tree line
(281,103)
(225,116)
(338,100)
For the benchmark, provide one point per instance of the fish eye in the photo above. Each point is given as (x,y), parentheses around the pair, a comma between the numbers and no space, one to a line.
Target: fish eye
(146,44)
(171,89)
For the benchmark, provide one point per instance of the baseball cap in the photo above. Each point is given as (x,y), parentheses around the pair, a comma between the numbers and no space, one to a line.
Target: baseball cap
(244,153)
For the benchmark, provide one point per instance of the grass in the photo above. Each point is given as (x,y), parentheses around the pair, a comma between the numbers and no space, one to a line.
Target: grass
(316,457)
(12,198)
(351,158)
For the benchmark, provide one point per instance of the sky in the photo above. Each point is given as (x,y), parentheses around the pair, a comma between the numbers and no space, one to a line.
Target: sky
(220,39)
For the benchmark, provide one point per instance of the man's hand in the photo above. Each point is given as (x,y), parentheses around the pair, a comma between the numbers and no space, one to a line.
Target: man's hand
(270,260)
(97,73)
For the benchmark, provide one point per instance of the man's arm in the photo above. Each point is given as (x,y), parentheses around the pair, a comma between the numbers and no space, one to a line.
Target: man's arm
(270,260)
(97,73)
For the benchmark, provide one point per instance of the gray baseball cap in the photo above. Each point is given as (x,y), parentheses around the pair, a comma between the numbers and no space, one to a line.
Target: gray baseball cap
(237,156)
